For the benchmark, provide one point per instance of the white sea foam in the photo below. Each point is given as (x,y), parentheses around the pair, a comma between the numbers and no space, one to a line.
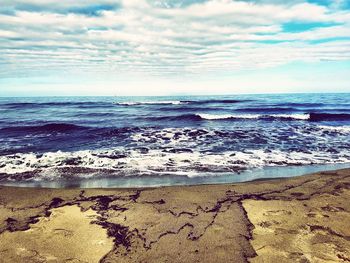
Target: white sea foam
(159,162)
(227,116)
(180,137)
(252,116)
(292,116)
(189,151)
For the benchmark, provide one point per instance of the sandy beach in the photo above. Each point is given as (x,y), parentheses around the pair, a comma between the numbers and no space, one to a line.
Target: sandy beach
(301,219)
(174,131)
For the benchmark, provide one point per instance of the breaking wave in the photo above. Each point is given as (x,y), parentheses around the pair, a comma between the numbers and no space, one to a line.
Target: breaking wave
(178,102)
(289,117)
(136,162)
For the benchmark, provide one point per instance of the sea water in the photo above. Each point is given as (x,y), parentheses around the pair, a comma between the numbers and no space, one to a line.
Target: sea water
(174,140)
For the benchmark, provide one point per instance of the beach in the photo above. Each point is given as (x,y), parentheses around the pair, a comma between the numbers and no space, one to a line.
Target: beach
(299,219)
(175,131)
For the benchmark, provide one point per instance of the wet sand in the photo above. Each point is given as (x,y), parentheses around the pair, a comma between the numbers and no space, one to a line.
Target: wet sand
(301,219)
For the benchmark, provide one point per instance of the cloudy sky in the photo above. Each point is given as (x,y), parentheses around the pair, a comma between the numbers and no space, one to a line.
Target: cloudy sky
(170,47)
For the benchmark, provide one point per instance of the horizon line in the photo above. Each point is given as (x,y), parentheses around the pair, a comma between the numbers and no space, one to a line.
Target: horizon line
(178,95)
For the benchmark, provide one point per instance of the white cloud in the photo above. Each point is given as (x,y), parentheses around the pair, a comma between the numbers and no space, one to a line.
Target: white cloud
(161,40)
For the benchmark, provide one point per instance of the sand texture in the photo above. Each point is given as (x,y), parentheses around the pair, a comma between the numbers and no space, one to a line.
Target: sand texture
(302,219)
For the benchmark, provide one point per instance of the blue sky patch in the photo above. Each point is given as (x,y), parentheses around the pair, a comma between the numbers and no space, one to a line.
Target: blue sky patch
(92,10)
(296,26)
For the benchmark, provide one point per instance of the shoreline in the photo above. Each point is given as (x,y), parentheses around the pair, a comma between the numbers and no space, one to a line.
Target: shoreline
(140,182)
(296,219)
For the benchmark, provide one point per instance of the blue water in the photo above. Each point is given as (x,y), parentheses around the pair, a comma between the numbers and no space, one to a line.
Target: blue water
(170,140)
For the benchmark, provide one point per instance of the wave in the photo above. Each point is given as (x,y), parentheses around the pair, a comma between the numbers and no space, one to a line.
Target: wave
(283,109)
(188,108)
(226,116)
(184,117)
(266,109)
(43,104)
(297,104)
(214,101)
(135,103)
(136,151)
(287,117)
(51,127)
(306,116)
(329,117)
(179,102)
(255,116)
(118,162)
(205,116)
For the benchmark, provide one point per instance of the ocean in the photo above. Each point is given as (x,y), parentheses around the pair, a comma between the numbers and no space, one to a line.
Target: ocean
(173,140)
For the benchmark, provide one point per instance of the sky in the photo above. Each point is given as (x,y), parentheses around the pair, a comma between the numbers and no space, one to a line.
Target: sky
(173,47)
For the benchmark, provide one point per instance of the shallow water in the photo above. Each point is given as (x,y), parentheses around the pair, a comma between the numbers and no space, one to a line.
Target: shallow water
(148,141)
(168,180)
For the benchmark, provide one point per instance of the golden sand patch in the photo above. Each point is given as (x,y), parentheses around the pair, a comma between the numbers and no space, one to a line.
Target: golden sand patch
(300,230)
(302,219)
(67,235)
